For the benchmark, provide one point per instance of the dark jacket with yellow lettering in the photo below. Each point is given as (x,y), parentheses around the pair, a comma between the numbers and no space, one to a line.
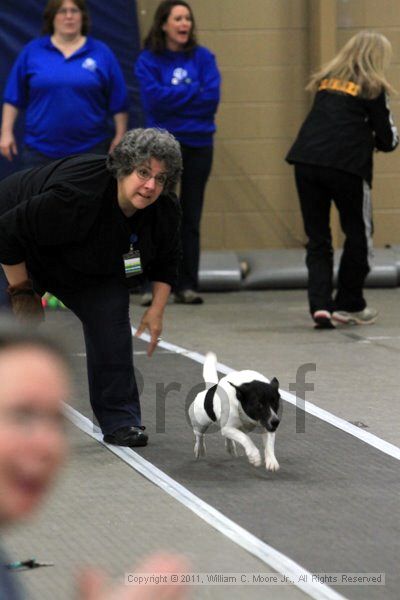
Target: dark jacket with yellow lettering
(343,129)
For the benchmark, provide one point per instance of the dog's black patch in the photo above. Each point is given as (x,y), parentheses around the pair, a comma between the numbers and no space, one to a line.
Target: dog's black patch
(209,403)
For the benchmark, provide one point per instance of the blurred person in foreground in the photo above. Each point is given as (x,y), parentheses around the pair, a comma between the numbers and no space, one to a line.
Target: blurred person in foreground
(79,228)
(333,158)
(69,84)
(34,384)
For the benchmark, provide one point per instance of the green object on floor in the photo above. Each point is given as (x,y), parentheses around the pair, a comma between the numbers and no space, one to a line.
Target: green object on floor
(30,563)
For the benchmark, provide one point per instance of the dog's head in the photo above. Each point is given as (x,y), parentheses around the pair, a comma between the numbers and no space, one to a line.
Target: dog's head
(260,401)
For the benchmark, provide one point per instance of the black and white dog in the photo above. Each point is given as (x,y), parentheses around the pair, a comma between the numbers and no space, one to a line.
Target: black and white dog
(237,403)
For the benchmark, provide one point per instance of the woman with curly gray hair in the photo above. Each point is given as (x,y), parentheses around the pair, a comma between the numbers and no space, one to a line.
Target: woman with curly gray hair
(79,228)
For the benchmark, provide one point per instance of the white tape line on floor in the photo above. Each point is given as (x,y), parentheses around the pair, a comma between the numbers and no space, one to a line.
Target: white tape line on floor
(273,558)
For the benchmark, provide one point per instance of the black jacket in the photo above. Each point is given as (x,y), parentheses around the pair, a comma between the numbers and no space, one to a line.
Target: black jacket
(342,130)
(64,221)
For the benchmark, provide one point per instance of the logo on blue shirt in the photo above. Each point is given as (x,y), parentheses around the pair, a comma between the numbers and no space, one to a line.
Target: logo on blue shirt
(90,64)
(179,75)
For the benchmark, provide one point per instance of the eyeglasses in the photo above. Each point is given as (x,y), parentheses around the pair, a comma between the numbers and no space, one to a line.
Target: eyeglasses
(64,11)
(145,175)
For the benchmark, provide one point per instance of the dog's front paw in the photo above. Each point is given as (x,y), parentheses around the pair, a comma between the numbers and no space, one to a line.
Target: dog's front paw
(271,464)
(254,458)
(199,450)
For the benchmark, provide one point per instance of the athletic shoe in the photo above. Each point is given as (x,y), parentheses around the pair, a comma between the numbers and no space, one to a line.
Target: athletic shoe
(322,319)
(188,297)
(146,299)
(362,317)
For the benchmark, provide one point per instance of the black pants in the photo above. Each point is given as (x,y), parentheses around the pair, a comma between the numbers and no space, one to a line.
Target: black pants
(317,187)
(197,164)
(104,313)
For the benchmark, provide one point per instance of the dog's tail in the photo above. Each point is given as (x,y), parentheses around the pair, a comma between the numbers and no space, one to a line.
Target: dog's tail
(210,374)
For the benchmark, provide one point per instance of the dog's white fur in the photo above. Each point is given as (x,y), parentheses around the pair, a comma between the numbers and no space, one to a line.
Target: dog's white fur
(234,423)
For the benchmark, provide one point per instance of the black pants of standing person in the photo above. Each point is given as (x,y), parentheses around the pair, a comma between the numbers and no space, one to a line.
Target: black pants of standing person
(197,164)
(317,187)
(104,313)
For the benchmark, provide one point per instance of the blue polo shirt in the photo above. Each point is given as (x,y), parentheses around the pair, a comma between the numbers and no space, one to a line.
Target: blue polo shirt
(66,100)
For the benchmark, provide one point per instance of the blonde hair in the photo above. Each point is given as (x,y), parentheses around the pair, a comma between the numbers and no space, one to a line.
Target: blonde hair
(363,61)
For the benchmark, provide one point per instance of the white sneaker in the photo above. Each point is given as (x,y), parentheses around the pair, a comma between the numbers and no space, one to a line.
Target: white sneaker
(362,317)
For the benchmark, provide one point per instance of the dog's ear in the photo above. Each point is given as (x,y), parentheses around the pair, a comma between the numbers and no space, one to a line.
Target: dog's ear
(274,383)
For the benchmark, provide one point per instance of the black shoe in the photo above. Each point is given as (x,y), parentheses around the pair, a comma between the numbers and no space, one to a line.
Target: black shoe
(127,436)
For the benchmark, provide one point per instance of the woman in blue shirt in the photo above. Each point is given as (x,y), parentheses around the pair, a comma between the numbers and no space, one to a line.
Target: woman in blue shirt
(68,84)
(180,89)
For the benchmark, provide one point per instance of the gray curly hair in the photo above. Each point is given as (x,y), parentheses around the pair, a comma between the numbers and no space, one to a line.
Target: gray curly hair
(139,145)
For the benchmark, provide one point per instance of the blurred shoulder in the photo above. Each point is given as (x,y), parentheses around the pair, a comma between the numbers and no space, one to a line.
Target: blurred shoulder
(146,55)
(37,44)
(99,46)
(203,52)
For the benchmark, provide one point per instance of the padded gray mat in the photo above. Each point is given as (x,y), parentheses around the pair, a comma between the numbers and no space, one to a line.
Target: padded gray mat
(219,271)
(284,269)
(276,269)
(396,250)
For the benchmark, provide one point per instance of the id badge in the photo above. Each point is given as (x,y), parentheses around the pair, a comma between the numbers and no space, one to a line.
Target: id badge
(133,265)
